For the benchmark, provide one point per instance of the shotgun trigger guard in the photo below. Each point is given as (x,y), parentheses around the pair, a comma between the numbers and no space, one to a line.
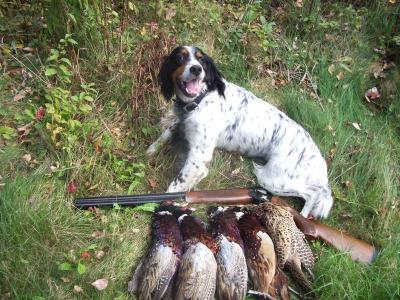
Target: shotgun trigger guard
(260,195)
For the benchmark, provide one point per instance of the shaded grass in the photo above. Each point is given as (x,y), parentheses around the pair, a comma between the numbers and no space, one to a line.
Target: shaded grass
(40,230)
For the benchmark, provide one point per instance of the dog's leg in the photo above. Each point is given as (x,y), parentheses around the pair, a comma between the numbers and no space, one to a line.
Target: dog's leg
(169,123)
(162,139)
(194,170)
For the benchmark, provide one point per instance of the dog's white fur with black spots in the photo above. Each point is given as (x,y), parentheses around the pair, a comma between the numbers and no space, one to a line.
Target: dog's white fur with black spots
(215,113)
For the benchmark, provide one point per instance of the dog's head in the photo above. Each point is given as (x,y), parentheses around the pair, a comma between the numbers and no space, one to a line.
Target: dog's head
(187,72)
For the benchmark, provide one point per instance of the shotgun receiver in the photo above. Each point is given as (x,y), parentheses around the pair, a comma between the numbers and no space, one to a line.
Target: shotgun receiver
(314,230)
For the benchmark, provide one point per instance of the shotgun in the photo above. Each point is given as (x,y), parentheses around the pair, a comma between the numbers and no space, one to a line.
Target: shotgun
(359,250)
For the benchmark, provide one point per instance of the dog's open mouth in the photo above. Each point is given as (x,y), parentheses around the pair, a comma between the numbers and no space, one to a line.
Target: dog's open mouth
(191,88)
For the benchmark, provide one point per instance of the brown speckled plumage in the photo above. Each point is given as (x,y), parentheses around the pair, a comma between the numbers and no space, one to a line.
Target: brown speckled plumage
(231,261)
(156,271)
(260,254)
(198,270)
(291,247)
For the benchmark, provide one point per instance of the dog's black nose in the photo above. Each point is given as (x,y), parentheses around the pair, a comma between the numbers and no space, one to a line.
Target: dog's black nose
(195,70)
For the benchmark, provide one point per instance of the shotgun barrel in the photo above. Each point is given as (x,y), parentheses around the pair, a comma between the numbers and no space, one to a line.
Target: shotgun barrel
(125,200)
(221,197)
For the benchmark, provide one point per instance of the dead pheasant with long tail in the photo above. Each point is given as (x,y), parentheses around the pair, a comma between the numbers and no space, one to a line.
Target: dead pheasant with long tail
(231,261)
(267,279)
(154,276)
(197,273)
(292,249)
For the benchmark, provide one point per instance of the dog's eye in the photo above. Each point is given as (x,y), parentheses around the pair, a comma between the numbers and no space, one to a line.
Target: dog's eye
(180,58)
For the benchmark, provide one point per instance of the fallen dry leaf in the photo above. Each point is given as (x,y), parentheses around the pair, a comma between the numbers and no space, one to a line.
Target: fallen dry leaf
(116,131)
(53,168)
(65,279)
(348,184)
(299,3)
(100,284)
(28,49)
(40,113)
(331,69)
(71,187)
(27,157)
(99,254)
(170,13)
(91,188)
(22,93)
(329,37)
(372,94)
(77,289)
(340,76)
(98,233)
(356,126)
(152,183)
(331,129)
(103,219)
(85,255)
(97,145)
(277,83)
(235,172)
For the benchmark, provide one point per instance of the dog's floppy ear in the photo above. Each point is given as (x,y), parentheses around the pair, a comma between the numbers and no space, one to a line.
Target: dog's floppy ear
(213,76)
(167,86)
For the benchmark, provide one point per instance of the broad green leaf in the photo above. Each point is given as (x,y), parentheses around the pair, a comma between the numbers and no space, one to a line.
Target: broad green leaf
(74,123)
(50,71)
(92,247)
(81,268)
(116,206)
(148,207)
(85,108)
(65,266)
(88,98)
(65,70)
(7,130)
(132,186)
(72,42)
(72,17)
(67,61)
(55,54)
(50,108)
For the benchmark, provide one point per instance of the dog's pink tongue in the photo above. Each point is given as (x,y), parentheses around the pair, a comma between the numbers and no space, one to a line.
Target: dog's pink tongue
(193,87)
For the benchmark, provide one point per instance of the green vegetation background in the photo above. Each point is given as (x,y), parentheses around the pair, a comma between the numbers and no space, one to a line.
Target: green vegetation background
(80,104)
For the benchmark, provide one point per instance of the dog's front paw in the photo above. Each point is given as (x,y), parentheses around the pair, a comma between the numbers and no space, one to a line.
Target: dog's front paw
(151,150)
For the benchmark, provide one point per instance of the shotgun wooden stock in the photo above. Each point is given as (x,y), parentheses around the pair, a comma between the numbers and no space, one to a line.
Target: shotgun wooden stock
(221,197)
(358,250)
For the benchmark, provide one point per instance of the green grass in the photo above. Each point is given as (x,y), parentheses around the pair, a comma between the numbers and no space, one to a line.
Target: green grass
(41,231)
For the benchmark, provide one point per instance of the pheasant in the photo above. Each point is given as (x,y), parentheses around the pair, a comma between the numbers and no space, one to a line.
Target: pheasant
(261,259)
(291,247)
(197,273)
(154,276)
(231,262)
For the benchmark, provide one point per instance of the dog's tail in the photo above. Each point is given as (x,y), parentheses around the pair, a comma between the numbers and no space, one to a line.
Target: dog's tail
(318,197)
(323,203)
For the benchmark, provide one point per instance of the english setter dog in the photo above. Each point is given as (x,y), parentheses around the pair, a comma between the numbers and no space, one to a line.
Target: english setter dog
(215,113)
